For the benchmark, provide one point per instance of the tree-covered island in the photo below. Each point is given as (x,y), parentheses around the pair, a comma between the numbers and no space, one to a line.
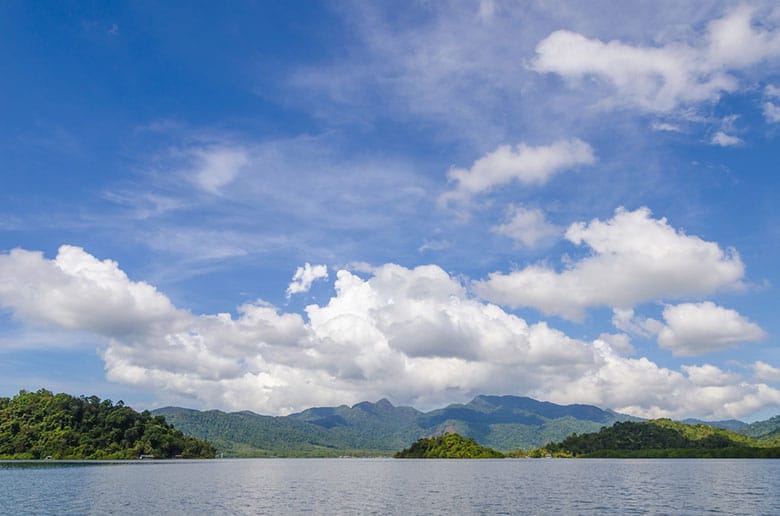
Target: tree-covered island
(661,438)
(41,425)
(448,446)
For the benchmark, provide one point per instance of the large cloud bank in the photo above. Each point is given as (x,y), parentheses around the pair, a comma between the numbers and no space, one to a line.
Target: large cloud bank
(414,335)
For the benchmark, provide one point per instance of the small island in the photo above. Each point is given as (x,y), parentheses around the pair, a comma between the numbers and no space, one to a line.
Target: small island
(661,438)
(42,425)
(448,446)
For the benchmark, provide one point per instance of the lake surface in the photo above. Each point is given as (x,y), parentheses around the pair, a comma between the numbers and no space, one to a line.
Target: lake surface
(388,486)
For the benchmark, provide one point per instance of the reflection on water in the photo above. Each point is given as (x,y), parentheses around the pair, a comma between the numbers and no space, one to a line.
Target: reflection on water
(387,486)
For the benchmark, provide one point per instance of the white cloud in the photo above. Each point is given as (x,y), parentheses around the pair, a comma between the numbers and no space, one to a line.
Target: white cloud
(666,126)
(641,387)
(413,335)
(634,259)
(699,328)
(217,167)
(619,342)
(77,291)
(304,277)
(725,140)
(525,164)
(691,328)
(624,319)
(764,372)
(708,375)
(528,227)
(434,245)
(771,110)
(662,78)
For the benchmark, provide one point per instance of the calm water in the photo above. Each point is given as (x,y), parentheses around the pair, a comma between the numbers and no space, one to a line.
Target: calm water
(387,486)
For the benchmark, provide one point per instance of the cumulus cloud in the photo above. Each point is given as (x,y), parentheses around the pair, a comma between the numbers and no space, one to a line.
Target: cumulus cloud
(635,258)
(708,375)
(414,335)
(304,277)
(76,291)
(662,78)
(764,372)
(619,342)
(528,227)
(620,382)
(699,328)
(691,329)
(217,167)
(525,164)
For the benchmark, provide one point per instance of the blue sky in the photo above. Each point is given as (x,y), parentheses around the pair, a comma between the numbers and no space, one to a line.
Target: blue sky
(281,205)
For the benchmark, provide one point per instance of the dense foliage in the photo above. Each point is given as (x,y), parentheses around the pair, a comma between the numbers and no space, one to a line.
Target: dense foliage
(500,422)
(659,438)
(448,446)
(763,430)
(503,423)
(246,434)
(39,425)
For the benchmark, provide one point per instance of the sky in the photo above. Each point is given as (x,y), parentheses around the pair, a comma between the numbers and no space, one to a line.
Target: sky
(270,206)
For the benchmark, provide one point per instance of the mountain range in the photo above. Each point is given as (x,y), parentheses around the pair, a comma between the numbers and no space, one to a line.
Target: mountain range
(504,423)
(501,422)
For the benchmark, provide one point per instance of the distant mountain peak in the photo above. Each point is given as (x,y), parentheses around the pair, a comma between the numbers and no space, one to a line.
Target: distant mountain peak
(728,424)
(383,404)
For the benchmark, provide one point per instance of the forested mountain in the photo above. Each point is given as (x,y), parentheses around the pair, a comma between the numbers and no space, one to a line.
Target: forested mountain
(662,438)
(501,422)
(39,425)
(768,430)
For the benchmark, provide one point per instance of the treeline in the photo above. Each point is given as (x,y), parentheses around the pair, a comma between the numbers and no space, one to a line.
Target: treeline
(448,446)
(661,438)
(39,425)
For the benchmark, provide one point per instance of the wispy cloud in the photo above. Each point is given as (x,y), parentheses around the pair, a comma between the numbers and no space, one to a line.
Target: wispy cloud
(217,167)
(725,140)
(528,227)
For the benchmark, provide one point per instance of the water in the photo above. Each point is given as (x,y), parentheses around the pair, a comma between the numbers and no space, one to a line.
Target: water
(387,486)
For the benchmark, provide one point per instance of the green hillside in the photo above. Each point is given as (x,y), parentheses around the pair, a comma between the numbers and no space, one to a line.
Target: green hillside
(501,422)
(762,430)
(39,425)
(246,434)
(448,446)
(660,438)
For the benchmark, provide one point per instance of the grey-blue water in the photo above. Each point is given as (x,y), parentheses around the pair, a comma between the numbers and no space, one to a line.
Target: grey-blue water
(387,486)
